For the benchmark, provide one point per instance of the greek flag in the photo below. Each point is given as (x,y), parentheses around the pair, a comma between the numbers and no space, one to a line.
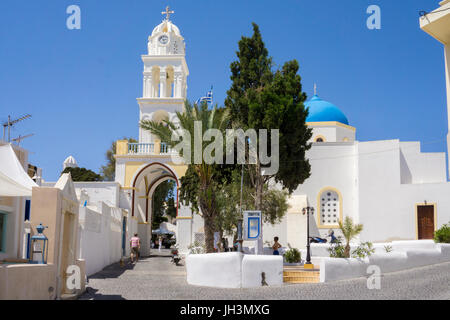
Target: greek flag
(208,98)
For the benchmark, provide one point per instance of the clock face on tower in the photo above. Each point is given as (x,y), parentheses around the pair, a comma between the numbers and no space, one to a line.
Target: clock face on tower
(164,39)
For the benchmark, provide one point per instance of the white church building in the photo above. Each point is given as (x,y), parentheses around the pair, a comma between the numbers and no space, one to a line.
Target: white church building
(396,191)
(391,187)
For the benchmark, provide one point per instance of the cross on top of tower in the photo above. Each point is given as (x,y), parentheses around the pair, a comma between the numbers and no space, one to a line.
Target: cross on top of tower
(167,13)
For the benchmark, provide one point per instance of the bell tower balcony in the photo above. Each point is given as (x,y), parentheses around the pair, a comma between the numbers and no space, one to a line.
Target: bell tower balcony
(123,147)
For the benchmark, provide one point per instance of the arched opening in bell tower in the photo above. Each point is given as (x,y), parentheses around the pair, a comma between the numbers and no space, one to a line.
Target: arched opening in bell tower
(160,116)
(156,81)
(170,82)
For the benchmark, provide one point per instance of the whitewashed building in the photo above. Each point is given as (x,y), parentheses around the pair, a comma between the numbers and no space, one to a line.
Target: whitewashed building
(396,191)
(391,187)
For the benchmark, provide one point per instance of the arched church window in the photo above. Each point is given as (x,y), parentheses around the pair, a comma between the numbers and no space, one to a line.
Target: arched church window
(330,206)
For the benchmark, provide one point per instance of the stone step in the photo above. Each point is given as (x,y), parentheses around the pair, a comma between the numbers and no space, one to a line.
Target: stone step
(300,275)
(301,280)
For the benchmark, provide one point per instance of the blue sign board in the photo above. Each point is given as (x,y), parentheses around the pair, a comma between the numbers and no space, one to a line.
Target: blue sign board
(252,225)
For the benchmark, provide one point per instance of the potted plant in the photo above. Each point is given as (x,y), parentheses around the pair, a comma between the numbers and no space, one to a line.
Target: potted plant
(292,257)
(350,231)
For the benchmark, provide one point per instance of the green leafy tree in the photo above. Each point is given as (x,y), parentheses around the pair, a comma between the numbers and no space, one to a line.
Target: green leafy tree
(260,98)
(274,205)
(349,231)
(108,171)
(202,176)
(82,174)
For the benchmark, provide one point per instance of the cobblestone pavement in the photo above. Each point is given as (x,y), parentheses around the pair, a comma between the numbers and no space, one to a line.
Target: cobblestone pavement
(156,277)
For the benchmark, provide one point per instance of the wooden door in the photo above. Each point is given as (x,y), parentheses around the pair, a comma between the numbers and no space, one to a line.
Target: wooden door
(425,222)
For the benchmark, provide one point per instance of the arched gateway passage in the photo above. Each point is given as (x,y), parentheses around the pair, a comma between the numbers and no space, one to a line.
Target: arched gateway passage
(145,182)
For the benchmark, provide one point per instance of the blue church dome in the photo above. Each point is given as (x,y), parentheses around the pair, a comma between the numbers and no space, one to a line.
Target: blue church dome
(323,111)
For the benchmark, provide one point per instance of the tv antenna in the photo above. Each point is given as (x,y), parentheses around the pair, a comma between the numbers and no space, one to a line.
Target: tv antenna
(20,138)
(10,123)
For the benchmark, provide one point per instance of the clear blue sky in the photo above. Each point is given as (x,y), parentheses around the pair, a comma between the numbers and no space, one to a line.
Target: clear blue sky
(81,85)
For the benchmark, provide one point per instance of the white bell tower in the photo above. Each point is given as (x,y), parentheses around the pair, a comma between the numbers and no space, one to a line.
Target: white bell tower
(165,76)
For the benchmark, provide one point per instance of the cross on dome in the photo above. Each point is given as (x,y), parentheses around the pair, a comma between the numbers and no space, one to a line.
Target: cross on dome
(167,13)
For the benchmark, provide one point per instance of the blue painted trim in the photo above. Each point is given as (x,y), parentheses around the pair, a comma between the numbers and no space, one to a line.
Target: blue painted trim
(5,222)
(248,227)
(28,245)
(27,209)
(124,235)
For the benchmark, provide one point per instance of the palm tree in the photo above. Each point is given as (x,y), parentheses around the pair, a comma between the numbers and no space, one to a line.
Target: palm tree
(210,119)
(349,230)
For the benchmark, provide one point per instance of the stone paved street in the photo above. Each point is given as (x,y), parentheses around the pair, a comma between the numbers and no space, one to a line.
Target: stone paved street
(157,278)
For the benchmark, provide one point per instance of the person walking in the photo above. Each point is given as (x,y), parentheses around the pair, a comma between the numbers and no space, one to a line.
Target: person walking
(276,246)
(160,243)
(135,244)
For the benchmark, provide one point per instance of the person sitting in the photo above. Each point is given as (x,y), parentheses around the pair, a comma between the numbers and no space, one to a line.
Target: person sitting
(333,238)
(276,246)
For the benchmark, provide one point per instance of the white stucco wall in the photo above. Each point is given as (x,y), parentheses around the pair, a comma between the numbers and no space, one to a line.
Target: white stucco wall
(332,269)
(387,207)
(107,192)
(333,165)
(254,265)
(100,237)
(221,270)
(422,167)
(233,270)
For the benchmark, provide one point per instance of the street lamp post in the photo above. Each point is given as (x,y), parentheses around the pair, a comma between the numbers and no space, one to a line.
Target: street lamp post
(239,235)
(308,211)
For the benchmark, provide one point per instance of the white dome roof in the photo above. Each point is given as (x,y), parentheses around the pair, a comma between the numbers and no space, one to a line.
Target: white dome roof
(70,162)
(166,26)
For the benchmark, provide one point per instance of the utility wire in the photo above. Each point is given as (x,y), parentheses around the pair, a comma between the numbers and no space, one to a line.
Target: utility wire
(423,13)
